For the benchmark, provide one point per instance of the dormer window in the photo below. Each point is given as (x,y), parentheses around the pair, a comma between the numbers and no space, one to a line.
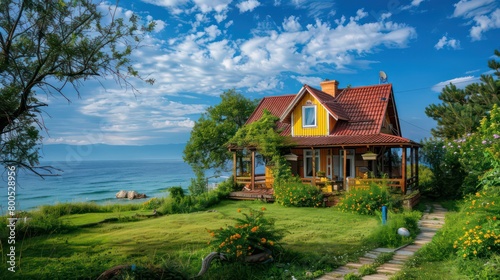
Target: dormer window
(309,116)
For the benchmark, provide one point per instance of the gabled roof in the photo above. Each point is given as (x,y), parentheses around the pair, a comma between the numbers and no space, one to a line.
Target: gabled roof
(359,111)
(333,107)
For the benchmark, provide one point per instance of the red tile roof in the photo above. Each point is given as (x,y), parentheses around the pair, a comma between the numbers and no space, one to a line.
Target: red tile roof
(276,105)
(360,112)
(366,107)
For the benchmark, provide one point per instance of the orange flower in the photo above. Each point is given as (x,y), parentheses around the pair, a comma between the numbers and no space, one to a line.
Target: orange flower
(271,243)
(263,240)
(254,229)
(239,210)
(263,209)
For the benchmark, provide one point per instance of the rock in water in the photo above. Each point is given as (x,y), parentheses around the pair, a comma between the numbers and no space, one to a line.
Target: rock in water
(132,194)
(403,232)
(121,194)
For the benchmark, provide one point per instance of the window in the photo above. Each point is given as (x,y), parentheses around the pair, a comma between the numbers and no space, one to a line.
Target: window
(308,166)
(309,116)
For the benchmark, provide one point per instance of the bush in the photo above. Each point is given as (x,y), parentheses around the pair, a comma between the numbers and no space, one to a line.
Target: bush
(367,201)
(228,186)
(298,195)
(176,193)
(252,234)
(481,232)
(387,235)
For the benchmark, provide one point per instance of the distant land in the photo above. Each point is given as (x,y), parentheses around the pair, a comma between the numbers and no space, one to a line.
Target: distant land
(64,152)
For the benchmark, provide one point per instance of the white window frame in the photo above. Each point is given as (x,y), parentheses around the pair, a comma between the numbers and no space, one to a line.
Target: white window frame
(304,108)
(308,154)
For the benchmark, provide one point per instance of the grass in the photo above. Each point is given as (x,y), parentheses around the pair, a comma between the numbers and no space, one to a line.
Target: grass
(318,239)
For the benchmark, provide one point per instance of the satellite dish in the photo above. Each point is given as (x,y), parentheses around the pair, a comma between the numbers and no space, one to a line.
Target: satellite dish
(383,77)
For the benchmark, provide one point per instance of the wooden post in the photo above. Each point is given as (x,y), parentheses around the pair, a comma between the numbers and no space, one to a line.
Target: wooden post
(345,169)
(252,174)
(234,166)
(416,167)
(313,167)
(403,170)
(412,162)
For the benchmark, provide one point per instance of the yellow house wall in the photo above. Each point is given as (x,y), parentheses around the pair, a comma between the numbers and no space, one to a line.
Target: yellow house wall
(321,127)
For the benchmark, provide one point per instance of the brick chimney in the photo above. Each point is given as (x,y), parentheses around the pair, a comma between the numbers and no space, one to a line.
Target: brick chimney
(329,86)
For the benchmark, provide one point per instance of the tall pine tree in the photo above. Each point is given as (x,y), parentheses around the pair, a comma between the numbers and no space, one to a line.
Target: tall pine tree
(462,109)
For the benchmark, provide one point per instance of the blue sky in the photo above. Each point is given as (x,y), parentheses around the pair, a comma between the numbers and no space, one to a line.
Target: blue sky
(201,48)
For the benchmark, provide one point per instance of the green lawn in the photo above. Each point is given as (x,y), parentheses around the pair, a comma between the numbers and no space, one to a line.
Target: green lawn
(321,238)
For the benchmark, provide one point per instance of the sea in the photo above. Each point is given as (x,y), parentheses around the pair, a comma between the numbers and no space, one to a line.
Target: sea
(97,181)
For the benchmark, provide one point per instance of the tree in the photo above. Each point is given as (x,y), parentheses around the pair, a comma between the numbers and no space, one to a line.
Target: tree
(262,135)
(48,47)
(461,110)
(206,148)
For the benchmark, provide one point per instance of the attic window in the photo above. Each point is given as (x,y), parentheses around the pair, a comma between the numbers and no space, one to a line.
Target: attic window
(309,116)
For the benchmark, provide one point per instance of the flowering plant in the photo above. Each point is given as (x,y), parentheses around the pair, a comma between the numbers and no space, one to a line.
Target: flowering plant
(366,201)
(252,234)
(481,234)
(298,195)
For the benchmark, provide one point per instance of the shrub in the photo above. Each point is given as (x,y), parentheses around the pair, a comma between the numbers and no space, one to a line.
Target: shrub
(366,201)
(252,234)
(387,236)
(481,232)
(176,193)
(298,195)
(153,203)
(228,186)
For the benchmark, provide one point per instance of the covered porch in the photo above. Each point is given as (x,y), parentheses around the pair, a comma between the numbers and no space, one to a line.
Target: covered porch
(338,167)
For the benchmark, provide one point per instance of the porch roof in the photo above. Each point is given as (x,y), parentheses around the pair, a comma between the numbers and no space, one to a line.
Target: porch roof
(380,139)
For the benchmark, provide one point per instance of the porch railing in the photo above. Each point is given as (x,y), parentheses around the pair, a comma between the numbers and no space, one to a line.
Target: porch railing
(365,183)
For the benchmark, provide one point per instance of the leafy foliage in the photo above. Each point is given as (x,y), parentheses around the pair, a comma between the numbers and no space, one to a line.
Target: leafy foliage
(262,134)
(366,201)
(206,148)
(467,164)
(298,195)
(386,235)
(462,109)
(481,232)
(177,193)
(252,234)
(47,46)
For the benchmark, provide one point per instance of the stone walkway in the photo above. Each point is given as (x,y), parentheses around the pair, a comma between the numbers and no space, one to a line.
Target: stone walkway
(429,224)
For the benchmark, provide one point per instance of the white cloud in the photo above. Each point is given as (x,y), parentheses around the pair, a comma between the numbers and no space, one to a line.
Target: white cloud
(485,23)
(247,6)
(291,24)
(484,14)
(447,42)
(471,8)
(312,81)
(413,4)
(385,16)
(460,82)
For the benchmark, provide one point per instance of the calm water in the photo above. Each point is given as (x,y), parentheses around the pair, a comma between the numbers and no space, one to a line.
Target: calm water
(97,181)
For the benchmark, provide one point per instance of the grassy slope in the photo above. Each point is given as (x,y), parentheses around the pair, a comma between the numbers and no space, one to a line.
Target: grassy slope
(180,239)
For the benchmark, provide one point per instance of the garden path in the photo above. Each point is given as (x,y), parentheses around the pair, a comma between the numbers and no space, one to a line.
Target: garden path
(429,224)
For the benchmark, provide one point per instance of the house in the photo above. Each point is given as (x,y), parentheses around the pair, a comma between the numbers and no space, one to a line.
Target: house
(345,134)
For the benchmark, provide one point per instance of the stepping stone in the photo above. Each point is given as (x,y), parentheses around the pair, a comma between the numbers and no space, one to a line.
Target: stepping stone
(371,255)
(396,262)
(364,260)
(384,250)
(378,276)
(353,265)
(406,253)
